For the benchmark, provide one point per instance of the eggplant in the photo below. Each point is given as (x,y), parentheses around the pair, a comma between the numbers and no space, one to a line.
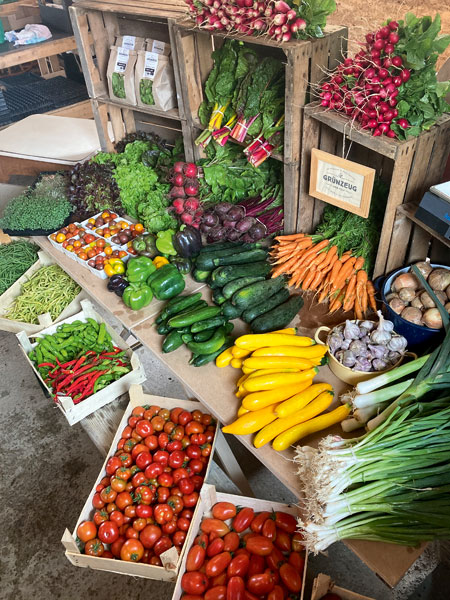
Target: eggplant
(117,284)
(187,242)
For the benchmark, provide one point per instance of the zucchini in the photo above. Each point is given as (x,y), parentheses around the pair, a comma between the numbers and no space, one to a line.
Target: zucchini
(163,328)
(217,296)
(210,346)
(219,246)
(230,288)
(181,304)
(230,311)
(257,292)
(172,341)
(279,317)
(206,261)
(208,324)
(187,337)
(223,275)
(198,360)
(262,307)
(202,336)
(200,276)
(229,327)
(242,257)
(193,316)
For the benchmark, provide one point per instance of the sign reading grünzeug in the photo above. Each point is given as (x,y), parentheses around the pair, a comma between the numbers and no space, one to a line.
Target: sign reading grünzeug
(341,182)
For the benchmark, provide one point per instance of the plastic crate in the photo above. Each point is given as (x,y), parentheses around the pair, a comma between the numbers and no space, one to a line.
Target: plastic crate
(22,102)
(61,91)
(56,16)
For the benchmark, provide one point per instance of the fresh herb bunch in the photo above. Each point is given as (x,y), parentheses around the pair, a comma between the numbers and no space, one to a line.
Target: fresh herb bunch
(15,258)
(118,85)
(43,206)
(92,188)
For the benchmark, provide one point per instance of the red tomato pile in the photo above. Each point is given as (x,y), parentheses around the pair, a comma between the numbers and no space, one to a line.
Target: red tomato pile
(145,504)
(255,556)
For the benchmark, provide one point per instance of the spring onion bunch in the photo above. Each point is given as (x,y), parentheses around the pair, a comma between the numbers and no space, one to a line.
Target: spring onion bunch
(393,483)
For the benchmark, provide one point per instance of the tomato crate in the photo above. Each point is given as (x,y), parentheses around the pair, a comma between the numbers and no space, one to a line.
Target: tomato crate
(171,560)
(77,412)
(210,496)
(323,584)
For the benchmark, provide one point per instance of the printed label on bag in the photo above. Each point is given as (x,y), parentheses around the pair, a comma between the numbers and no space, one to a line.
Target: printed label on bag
(150,66)
(123,54)
(128,41)
(158,47)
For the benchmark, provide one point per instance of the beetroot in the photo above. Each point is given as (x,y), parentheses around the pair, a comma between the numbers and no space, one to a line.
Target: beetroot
(190,170)
(192,204)
(187,218)
(178,167)
(178,205)
(178,180)
(177,192)
(191,187)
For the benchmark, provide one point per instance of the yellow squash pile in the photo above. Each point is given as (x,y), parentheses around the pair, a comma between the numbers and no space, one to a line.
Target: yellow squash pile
(279,399)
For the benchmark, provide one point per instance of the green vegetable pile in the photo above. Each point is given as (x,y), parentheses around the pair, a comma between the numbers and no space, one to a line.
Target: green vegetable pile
(146,91)
(118,85)
(49,290)
(44,206)
(92,188)
(15,259)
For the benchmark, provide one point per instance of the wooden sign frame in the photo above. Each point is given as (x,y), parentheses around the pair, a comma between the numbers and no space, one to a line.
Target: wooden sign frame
(341,182)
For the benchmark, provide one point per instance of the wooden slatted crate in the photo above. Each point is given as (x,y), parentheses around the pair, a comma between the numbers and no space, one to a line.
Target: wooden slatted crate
(409,168)
(305,61)
(148,8)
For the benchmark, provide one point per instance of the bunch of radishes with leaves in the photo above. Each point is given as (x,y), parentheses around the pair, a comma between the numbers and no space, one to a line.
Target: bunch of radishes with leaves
(277,19)
(390,86)
(184,192)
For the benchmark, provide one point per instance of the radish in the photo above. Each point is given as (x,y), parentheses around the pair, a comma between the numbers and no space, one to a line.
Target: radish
(393,37)
(403,123)
(384,32)
(389,48)
(383,127)
(405,75)
(377,132)
(187,218)
(291,15)
(280,19)
(397,61)
(191,204)
(259,25)
(178,167)
(298,25)
(397,81)
(370,38)
(379,45)
(190,188)
(383,73)
(393,25)
(178,205)
(190,170)
(286,36)
(281,6)
(391,134)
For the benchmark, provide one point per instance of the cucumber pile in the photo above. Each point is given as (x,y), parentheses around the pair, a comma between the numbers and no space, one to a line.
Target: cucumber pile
(237,275)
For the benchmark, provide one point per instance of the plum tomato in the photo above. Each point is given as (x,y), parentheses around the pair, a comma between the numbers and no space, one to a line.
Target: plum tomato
(238,566)
(108,532)
(215,547)
(235,589)
(86,531)
(218,592)
(259,545)
(276,594)
(223,510)
(260,584)
(214,525)
(286,522)
(275,559)
(297,561)
(243,519)
(231,541)
(94,547)
(257,565)
(195,582)
(132,551)
(195,558)
(218,564)
(291,578)
(283,540)
(259,520)
(269,529)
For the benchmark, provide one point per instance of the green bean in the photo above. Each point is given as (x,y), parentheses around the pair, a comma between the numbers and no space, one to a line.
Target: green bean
(15,259)
(50,290)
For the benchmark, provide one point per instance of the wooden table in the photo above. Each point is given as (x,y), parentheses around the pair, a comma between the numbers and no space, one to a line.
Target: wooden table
(215,389)
(11,55)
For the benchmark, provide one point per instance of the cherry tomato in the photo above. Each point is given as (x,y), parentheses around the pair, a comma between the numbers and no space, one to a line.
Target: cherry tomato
(283,540)
(139,523)
(100,516)
(194,582)
(117,545)
(131,533)
(206,450)
(143,459)
(161,456)
(179,538)
(136,437)
(238,566)
(269,529)
(132,550)
(176,458)
(176,504)
(175,413)
(260,584)
(195,558)
(184,417)
(163,440)
(112,465)
(209,436)
(285,522)
(144,428)
(86,531)
(180,474)
(190,499)
(94,547)
(151,412)
(131,424)
(125,459)
(218,592)
(155,560)
(218,564)
(123,473)
(215,547)
(198,481)
(175,491)
(196,465)
(331,596)
(198,438)
(117,517)
(183,524)
(186,485)
(231,541)
(165,479)
(144,494)
(257,565)
(123,500)
(163,513)
(97,502)
(144,511)
(194,427)
(276,594)
(178,433)
(130,511)
(129,445)
(111,507)
(275,559)
(163,544)
(138,411)
(223,511)
(173,446)
(169,427)
(187,513)
(291,578)
(164,413)
(158,423)
(151,442)
(153,470)
(117,484)
(236,588)
(243,519)
(163,494)
(150,535)
(259,520)
(193,451)
(108,532)
(120,444)
(297,561)
(207,420)
(139,479)
(170,527)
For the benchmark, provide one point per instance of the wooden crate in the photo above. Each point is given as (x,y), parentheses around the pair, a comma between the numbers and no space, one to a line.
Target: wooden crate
(305,61)
(95,31)
(323,585)
(408,167)
(148,8)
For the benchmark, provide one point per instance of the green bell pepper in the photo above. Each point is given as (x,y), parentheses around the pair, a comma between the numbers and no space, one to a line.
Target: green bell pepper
(184,265)
(139,268)
(145,245)
(137,295)
(164,242)
(166,282)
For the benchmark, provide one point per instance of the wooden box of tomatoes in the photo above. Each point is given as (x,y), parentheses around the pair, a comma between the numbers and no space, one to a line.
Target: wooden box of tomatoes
(77,412)
(222,562)
(163,563)
(324,588)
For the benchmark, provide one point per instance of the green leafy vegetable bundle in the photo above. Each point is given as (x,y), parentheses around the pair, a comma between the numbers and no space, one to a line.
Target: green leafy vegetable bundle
(15,259)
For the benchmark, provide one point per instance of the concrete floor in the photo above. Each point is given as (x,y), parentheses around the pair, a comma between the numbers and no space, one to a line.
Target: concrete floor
(48,469)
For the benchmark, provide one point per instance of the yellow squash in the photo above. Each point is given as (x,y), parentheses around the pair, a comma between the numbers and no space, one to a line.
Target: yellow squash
(258,400)
(241,411)
(316,351)
(252,421)
(288,330)
(236,363)
(224,358)
(296,433)
(260,340)
(260,372)
(321,403)
(239,352)
(301,399)
(277,362)
(274,380)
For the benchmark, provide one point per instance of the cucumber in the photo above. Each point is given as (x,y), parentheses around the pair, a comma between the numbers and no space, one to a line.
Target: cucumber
(229,327)
(279,317)
(219,246)
(218,297)
(187,337)
(189,309)
(200,276)
(262,307)
(223,275)
(181,304)
(193,316)
(203,359)
(172,341)
(202,336)
(210,346)
(208,324)
(257,292)
(242,257)
(206,261)
(163,328)
(230,311)
(235,285)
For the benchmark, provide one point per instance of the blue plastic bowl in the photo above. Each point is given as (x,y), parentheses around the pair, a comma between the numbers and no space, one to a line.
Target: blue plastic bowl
(417,335)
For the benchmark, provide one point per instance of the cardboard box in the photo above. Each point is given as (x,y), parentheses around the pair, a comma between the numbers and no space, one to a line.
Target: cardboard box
(171,560)
(45,320)
(77,412)
(323,584)
(208,497)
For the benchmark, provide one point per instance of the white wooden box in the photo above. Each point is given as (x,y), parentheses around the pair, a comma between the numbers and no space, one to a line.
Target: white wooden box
(77,412)
(171,560)
(210,496)
(45,320)
(324,584)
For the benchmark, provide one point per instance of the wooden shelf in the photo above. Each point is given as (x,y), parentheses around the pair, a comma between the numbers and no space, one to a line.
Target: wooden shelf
(11,55)
(10,8)
(409,210)
(173,113)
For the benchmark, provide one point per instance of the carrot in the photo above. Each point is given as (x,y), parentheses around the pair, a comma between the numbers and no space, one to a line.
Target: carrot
(337,303)
(359,263)
(361,279)
(331,253)
(292,236)
(284,267)
(287,258)
(350,289)
(314,250)
(364,299)
(358,311)
(326,269)
(308,279)
(344,274)
(317,280)
(320,258)
(371,293)
(346,256)
(349,303)
(293,279)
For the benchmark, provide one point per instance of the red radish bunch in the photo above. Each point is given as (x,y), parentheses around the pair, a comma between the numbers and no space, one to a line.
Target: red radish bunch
(278,19)
(366,87)
(185,181)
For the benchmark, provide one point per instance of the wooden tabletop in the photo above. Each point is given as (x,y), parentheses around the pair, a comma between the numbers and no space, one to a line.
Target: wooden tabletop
(10,8)
(11,55)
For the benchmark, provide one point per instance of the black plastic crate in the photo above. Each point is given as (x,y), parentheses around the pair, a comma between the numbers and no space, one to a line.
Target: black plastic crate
(61,91)
(22,102)
(21,79)
(56,15)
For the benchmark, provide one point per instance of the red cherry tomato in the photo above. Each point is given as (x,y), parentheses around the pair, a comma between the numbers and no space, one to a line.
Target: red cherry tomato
(259,545)
(218,592)
(283,540)
(190,500)
(163,513)
(177,457)
(180,474)
(218,564)
(186,485)
(144,428)
(144,511)
(269,529)
(151,442)
(161,456)
(224,511)
(196,465)
(215,547)
(117,546)
(112,465)
(153,470)
(257,565)
(137,449)
(243,519)
(198,481)
(143,459)
(144,494)
(170,527)
(260,584)
(184,417)
(108,532)
(193,451)
(195,558)
(150,535)
(100,516)
(117,517)
(290,577)
(183,524)
(285,522)
(236,589)
(187,513)
(238,566)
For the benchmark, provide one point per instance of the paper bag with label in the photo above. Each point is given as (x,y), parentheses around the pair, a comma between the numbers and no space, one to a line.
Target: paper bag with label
(120,74)
(157,47)
(132,42)
(155,84)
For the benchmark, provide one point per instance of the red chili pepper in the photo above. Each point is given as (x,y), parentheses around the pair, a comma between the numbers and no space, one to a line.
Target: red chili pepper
(47,365)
